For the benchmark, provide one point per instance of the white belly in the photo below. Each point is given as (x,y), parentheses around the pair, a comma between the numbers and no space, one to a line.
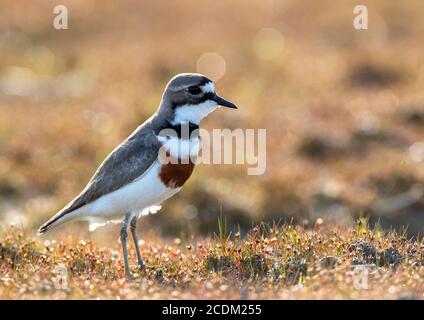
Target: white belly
(142,196)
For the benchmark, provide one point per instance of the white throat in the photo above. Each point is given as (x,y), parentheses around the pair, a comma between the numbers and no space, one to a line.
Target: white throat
(194,113)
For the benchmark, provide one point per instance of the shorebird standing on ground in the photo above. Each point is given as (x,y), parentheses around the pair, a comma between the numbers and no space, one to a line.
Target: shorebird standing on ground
(133,181)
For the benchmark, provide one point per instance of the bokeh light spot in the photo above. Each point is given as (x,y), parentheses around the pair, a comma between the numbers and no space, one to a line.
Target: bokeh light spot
(212,65)
(268,43)
(416,151)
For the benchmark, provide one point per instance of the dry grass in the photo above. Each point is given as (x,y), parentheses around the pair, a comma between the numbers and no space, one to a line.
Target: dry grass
(271,262)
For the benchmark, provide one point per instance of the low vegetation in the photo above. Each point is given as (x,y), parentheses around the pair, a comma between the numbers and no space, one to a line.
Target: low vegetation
(270,262)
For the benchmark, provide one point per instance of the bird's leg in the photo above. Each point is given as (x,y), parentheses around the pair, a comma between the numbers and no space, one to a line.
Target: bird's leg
(124,235)
(133,227)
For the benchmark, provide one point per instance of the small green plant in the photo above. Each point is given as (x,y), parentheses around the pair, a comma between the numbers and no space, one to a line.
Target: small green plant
(223,235)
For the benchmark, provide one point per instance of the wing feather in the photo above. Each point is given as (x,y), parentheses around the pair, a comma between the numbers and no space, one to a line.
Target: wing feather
(123,165)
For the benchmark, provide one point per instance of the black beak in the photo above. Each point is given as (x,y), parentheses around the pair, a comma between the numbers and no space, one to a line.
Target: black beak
(223,102)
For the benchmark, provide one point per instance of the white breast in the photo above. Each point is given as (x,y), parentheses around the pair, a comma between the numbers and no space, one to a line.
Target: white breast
(179,148)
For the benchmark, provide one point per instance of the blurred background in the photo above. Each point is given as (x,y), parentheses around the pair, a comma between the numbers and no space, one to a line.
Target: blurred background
(343,108)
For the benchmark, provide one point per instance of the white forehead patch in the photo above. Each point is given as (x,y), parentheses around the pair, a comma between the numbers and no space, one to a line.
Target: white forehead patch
(208,87)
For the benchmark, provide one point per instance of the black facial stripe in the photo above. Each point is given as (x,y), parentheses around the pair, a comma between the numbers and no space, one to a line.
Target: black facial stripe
(205,97)
(195,90)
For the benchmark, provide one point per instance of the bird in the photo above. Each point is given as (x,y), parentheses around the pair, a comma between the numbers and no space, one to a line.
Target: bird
(135,179)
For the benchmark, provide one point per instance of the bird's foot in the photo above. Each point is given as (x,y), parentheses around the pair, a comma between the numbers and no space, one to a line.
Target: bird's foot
(129,276)
(141,265)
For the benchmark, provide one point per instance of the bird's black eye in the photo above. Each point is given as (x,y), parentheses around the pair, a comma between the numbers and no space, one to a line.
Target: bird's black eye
(194,90)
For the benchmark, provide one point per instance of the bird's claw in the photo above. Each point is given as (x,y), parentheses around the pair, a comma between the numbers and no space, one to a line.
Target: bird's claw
(129,276)
(142,266)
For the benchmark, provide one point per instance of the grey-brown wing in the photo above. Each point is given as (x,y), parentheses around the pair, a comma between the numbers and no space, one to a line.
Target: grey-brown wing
(123,165)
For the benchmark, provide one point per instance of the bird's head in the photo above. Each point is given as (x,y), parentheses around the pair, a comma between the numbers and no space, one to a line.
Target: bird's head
(190,97)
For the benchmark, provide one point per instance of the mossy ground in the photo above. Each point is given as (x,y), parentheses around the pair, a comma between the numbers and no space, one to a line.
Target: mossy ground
(270,262)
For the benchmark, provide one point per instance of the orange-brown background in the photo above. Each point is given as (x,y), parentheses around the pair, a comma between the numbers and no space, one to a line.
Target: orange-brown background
(343,109)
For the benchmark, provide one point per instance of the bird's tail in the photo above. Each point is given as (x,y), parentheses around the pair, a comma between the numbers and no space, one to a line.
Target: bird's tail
(50,224)
(56,220)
